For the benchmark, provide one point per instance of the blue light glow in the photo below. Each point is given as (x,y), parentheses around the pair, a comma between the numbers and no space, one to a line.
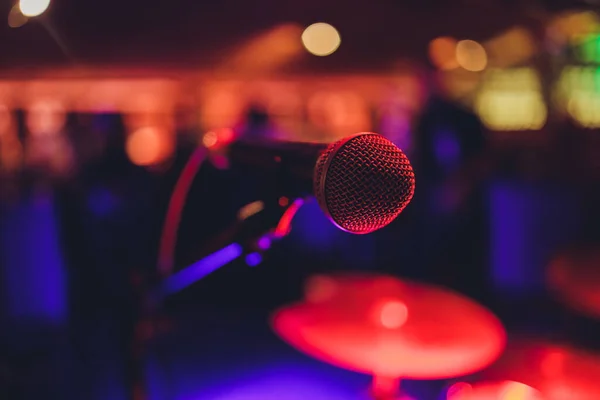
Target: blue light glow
(264,243)
(35,278)
(102,201)
(286,382)
(253,259)
(202,268)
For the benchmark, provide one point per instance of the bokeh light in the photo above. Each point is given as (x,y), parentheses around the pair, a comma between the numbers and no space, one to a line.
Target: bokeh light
(442,53)
(148,146)
(574,277)
(392,314)
(16,19)
(253,259)
(267,51)
(279,379)
(6,121)
(572,25)
(457,390)
(512,100)
(209,139)
(339,112)
(471,56)
(33,8)
(218,138)
(11,149)
(321,39)
(250,210)
(223,104)
(515,46)
(578,93)
(46,117)
(504,390)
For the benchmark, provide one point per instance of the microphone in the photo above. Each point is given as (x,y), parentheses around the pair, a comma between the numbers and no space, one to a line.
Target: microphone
(361,182)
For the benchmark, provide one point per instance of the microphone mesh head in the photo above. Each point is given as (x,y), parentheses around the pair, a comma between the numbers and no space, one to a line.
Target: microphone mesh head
(363,182)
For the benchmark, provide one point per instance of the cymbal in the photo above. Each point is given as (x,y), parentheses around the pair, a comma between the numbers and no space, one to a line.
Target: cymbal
(391,328)
(575,277)
(559,372)
(500,390)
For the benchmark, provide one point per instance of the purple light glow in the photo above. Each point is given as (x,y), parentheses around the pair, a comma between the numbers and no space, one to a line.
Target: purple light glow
(447,149)
(528,224)
(253,259)
(253,371)
(202,268)
(313,230)
(284,382)
(102,202)
(264,243)
(34,278)
(314,234)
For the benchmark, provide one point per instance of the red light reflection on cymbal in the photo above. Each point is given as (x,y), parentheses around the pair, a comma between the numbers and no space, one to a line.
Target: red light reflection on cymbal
(575,277)
(506,390)
(552,364)
(558,372)
(391,314)
(391,328)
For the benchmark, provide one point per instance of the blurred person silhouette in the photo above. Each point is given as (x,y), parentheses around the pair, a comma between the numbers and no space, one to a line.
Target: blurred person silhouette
(110,232)
(451,160)
(32,270)
(187,126)
(396,113)
(257,124)
(88,145)
(111,162)
(577,151)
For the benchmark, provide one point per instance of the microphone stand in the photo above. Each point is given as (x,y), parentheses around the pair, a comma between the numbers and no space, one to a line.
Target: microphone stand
(227,254)
(151,293)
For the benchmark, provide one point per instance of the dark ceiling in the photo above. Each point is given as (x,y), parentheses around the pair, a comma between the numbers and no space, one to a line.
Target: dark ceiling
(194,33)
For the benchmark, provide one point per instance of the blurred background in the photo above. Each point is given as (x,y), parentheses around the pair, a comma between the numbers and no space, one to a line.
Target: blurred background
(102,104)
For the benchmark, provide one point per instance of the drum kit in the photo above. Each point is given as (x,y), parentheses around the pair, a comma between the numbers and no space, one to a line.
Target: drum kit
(395,329)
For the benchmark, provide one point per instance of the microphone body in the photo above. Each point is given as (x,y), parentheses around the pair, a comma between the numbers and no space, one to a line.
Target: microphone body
(291,164)
(362,182)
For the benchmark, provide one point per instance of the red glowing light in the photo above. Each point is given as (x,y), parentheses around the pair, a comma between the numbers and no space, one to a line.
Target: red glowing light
(457,390)
(168,239)
(284,201)
(558,372)
(505,390)
(575,278)
(218,138)
(552,364)
(285,223)
(392,314)
(420,331)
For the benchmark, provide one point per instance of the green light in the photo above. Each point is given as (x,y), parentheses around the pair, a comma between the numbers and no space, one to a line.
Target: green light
(588,50)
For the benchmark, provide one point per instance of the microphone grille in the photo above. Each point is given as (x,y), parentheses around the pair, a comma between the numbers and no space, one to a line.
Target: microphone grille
(363,182)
